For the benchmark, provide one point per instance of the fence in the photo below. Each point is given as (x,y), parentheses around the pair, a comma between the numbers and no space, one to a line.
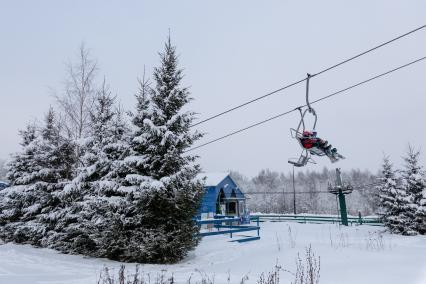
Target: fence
(228,225)
(317,219)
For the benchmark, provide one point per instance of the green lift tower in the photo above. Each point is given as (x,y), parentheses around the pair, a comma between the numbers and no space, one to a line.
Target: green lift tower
(340,189)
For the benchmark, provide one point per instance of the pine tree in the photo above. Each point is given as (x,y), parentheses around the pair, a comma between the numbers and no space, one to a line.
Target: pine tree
(422,213)
(20,173)
(415,185)
(392,199)
(106,206)
(20,167)
(161,177)
(135,162)
(88,199)
(173,198)
(101,215)
(37,175)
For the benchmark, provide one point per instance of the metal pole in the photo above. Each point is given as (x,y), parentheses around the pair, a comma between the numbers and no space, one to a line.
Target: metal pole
(308,76)
(258,227)
(283,205)
(337,210)
(342,201)
(343,211)
(339,177)
(294,195)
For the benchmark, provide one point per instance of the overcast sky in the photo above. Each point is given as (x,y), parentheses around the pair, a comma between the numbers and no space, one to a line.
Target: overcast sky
(232,51)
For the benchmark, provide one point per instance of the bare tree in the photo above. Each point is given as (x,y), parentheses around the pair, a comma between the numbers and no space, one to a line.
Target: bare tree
(77,100)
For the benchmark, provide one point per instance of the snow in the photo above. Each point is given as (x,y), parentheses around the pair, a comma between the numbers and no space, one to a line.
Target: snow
(137,160)
(350,255)
(213,179)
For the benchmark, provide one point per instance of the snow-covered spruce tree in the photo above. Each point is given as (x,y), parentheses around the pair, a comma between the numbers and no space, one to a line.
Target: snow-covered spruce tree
(37,175)
(392,200)
(20,168)
(160,176)
(20,171)
(91,199)
(112,207)
(414,182)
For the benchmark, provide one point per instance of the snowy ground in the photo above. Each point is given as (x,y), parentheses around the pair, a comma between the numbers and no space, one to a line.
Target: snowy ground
(348,255)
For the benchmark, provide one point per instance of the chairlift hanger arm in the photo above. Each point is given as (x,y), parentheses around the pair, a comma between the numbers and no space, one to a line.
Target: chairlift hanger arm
(308,104)
(308,76)
(302,126)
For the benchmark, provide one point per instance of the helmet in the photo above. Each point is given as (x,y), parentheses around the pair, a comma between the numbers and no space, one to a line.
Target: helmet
(307,133)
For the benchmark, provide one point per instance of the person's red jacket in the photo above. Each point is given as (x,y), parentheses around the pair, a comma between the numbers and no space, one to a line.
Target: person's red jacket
(308,143)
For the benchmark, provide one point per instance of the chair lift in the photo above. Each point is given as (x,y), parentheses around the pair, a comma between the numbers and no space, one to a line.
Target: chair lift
(305,156)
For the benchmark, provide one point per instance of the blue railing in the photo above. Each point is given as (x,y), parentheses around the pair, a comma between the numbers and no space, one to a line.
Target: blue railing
(228,225)
(317,219)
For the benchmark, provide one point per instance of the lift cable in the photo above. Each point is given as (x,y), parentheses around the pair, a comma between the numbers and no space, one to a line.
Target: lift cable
(355,187)
(313,102)
(363,186)
(311,76)
(285,192)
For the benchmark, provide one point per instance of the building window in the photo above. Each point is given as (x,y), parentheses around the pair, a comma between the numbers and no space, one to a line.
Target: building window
(232,208)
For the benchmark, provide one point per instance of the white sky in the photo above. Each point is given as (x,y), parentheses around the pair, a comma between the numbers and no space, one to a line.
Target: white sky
(232,51)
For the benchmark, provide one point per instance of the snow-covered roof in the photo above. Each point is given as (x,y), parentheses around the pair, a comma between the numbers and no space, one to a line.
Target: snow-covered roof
(213,179)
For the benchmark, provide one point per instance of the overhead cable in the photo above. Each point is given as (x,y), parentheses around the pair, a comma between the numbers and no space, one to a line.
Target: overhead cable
(311,76)
(313,102)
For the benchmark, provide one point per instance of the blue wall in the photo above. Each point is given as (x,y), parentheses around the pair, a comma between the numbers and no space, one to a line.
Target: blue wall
(212,192)
(209,200)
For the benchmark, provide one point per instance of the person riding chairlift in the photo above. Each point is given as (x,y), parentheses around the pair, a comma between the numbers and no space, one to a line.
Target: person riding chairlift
(310,140)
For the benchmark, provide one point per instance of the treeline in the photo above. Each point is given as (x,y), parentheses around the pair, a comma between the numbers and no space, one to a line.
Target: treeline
(272,192)
(97,180)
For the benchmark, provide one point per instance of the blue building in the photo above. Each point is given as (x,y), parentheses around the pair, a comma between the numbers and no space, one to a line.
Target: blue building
(3,185)
(222,197)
